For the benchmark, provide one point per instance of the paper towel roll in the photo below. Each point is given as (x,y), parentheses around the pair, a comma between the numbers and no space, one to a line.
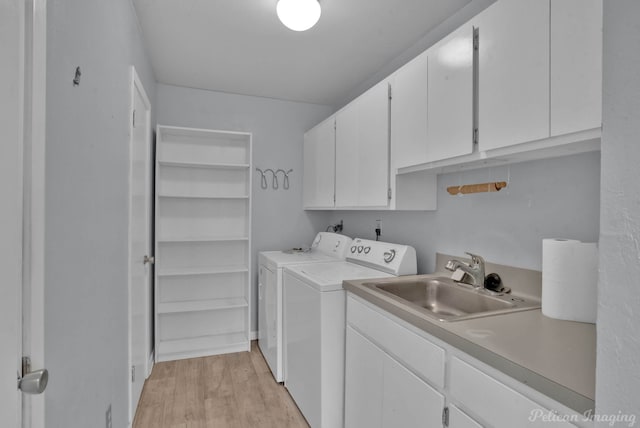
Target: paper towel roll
(569,279)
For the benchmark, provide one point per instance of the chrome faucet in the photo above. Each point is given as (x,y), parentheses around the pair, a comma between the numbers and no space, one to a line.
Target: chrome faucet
(475,270)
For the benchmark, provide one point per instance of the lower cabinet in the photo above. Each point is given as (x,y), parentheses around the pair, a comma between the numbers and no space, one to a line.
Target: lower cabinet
(385,387)
(380,392)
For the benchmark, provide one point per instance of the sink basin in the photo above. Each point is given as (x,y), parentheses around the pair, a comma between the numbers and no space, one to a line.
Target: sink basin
(446,300)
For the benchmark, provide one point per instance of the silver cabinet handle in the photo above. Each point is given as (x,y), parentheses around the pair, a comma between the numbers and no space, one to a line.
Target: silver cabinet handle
(150,260)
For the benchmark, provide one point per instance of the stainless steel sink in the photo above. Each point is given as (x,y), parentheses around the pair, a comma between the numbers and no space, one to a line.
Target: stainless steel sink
(446,300)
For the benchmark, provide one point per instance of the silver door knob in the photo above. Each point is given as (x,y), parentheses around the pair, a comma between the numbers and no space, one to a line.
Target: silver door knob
(34,382)
(151,260)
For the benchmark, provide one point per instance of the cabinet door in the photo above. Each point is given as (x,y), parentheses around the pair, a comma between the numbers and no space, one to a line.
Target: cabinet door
(576,65)
(319,165)
(513,90)
(409,114)
(362,150)
(459,419)
(363,382)
(408,401)
(451,96)
(481,393)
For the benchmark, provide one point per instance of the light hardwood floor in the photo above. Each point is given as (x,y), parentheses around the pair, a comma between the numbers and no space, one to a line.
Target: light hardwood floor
(232,390)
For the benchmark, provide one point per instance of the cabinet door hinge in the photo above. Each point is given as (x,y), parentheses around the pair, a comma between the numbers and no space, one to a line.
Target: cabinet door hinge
(475,136)
(445,417)
(476,40)
(26,365)
(133,119)
(133,374)
(389,193)
(390,96)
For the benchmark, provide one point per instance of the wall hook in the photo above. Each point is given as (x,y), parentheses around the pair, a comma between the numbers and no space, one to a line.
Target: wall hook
(76,79)
(285,182)
(263,179)
(274,179)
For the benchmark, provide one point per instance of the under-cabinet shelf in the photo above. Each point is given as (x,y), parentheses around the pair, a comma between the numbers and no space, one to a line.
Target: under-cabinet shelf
(167,163)
(201,305)
(202,346)
(201,271)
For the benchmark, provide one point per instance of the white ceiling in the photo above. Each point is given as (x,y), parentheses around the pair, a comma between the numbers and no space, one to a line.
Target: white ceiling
(239,46)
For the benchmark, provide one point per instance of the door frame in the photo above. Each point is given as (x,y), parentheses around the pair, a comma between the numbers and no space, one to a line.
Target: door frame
(35,79)
(136,86)
(12,111)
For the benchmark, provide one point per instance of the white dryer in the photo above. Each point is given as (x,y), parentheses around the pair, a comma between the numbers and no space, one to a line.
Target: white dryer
(326,247)
(314,324)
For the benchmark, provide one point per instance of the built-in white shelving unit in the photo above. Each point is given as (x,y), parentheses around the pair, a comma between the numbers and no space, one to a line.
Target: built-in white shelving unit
(203,242)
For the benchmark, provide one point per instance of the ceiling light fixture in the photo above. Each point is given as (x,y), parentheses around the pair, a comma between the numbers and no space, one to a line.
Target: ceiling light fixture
(298,15)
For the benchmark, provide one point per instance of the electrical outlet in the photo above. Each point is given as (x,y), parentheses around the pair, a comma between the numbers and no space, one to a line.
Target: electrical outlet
(108,417)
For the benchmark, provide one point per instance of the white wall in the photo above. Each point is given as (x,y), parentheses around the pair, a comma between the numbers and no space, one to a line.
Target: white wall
(278,220)
(618,362)
(87,161)
(544,199)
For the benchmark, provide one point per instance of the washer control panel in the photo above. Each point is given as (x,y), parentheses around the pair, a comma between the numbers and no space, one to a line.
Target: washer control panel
(392,258)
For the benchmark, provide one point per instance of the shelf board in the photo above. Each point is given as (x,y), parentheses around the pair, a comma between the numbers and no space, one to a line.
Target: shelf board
(178,196)
(203,165)
(202,346)
(202,305)
(177,239)
(202,271)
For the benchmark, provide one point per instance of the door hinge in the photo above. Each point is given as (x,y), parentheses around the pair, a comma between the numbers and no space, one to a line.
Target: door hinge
(134,119)
(476,40)
(26,365)
(445,417)
(389,193)
(133,374)
(475,136)
(390,91)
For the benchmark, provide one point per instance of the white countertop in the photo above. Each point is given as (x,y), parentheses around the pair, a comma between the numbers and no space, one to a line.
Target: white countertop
(557,358)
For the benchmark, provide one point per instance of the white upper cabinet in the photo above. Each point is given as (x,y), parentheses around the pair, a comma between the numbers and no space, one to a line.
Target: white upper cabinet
(450,102)
(576,65)
(362,150)
(513,104)
(319,165)
(409,113)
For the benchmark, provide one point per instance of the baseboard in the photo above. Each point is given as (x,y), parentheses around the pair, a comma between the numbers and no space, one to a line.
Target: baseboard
(253,335)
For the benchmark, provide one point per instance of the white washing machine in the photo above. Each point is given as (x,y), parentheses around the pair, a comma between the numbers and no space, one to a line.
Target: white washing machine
(314,324)
(326,247)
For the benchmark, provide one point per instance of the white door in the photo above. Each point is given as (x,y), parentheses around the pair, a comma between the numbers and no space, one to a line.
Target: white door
(362,150)
(408,401)
(409,113)
(513,73)
(363,382)
(319,165)
(139,241)
(11,105)
(450,103)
